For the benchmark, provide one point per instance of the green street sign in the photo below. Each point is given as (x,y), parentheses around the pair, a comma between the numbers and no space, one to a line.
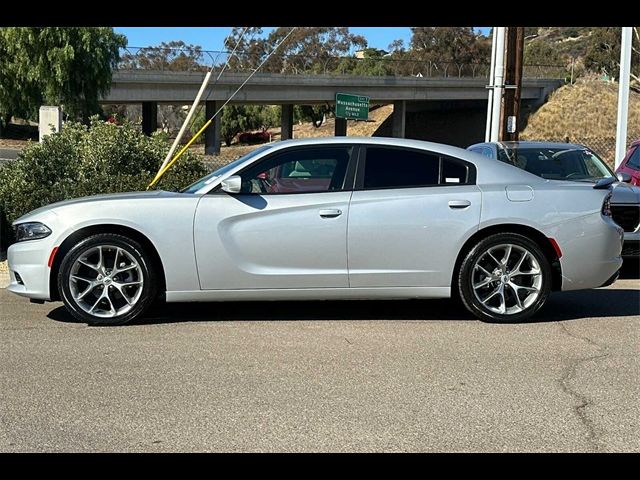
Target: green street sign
(354,107)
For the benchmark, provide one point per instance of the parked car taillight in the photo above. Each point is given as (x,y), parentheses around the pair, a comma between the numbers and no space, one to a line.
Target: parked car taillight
(606,206)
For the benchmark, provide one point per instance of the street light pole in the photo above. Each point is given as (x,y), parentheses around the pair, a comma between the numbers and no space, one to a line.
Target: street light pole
(492,68)
(498,84)
(623,95)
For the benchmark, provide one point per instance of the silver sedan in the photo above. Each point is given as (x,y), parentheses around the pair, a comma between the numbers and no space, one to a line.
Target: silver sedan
(338,218)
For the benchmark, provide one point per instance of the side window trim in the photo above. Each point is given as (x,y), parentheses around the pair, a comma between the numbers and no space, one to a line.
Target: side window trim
(359,184)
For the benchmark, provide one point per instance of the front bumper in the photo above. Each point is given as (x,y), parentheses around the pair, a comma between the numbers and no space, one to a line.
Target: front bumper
(29,260)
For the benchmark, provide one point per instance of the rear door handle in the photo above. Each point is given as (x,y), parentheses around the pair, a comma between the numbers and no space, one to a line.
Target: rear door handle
(459,203)
(330,213)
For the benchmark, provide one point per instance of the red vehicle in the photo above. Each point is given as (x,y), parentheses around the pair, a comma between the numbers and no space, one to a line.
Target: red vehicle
(631,163)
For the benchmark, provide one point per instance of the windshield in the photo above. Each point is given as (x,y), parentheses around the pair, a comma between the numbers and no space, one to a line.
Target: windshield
(557,163)
(207,179)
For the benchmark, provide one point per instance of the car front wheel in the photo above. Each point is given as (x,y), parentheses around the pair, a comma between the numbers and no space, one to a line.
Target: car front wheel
(107,279)
(505,278)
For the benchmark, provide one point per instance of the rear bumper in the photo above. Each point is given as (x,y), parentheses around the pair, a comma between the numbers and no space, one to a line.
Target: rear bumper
(591,247)
(612,280)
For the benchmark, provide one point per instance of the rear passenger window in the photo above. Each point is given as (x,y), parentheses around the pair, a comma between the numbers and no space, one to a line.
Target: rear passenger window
(404,168)
(397,168)
(454,172)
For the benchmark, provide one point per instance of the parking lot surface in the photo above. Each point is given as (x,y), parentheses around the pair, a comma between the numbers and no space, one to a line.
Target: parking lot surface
(325,376)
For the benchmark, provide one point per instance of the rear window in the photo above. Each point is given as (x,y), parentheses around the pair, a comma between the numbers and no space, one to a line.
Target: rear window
(387,167)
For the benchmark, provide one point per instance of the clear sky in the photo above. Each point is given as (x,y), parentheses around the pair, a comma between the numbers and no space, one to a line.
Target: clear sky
(211,38)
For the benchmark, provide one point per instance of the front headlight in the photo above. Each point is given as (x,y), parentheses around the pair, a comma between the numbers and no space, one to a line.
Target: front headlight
(31,231)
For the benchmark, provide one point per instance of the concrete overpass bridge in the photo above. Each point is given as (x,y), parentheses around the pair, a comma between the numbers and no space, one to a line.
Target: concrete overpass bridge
(466,96)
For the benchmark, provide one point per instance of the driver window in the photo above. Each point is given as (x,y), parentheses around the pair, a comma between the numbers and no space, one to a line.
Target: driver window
(304,170)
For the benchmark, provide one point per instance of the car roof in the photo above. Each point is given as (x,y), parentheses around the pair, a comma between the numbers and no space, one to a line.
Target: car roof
(387,141)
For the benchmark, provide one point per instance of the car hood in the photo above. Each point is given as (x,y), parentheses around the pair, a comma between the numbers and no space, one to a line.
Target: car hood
(625,193)
(98,198)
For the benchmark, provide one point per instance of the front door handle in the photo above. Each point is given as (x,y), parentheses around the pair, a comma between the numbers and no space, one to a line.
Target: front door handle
(459,203)
(330,213)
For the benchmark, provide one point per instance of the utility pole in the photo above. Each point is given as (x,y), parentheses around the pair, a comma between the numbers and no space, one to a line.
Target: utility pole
(510,116)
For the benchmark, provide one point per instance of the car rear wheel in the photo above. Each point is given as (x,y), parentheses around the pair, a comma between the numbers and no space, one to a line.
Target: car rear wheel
(107,279)
(505,278)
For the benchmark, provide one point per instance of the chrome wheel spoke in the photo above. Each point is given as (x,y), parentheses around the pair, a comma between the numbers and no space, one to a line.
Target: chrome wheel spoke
(97,302)
(515,290)
(118,287)
(100,265)
(533,272)
(115,262)
(485,271)
(83,279)
(519,264)
(498,262)
(87,264)
(503,302)
(505,260)
(112,310)
(84,293)
(491,295)
(127,268)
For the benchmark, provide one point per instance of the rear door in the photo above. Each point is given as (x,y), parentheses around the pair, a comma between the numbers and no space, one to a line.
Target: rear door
(410,214)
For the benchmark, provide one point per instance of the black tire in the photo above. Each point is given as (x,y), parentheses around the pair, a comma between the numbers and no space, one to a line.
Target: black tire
(484,312)
(131,247)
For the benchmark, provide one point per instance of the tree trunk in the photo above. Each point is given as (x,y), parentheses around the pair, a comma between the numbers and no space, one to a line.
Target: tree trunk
(4,124)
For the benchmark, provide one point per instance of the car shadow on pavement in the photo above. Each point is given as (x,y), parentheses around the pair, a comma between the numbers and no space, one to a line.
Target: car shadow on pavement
(597,303)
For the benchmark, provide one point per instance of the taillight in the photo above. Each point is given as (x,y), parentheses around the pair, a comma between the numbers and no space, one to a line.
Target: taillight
(606,206)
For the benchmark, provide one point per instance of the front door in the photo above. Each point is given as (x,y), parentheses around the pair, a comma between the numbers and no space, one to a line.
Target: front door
(286,229)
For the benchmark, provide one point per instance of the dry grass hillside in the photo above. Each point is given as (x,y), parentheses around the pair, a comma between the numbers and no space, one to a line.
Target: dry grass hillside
(584,113)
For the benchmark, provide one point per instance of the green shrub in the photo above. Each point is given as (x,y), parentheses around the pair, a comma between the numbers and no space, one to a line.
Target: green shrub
(81,161)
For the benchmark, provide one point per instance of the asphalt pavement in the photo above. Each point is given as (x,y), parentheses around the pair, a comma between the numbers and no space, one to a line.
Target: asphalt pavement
(325,376)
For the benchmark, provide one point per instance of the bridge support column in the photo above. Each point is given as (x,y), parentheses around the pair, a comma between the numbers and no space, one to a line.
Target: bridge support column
(286,122)
(399,116)
(213,134)
(149,117)
(341,127)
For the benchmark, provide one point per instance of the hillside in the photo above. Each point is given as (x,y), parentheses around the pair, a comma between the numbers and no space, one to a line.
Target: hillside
(570,41)
(585,113)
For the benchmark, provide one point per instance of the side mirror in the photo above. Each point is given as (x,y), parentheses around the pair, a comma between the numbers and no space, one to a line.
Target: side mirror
(623,177)
(233,184)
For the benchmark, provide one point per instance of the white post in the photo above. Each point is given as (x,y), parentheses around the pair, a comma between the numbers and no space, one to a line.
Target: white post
(187,120)
(487,132)
(623,95)
(499,84)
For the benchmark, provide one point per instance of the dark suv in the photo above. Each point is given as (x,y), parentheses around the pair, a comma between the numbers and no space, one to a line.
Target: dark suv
(569,161)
